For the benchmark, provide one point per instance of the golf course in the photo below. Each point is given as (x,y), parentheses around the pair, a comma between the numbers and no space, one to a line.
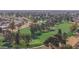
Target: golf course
(65,27)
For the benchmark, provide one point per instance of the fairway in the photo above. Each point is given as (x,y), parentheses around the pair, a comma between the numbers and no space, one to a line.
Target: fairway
(65,27)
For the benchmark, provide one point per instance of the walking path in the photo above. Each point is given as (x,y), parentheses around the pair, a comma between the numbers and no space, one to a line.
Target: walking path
(40,47)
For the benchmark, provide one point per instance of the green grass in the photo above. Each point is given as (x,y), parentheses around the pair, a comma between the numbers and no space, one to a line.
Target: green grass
(1,43)
(25,31)
(65,27)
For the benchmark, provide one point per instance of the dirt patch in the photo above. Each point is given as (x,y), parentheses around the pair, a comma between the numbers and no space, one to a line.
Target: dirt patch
(26,25)
(73,40)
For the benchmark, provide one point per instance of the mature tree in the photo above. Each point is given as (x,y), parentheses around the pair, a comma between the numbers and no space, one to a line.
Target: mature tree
(33,30)
(64,37)
(12,25)
(74,27)
(35,27)
(0,30)
(17,38)
(7,36)
(44,27)
(27,40)
(8,39)
(53,41)
(59,32)
(59,36)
